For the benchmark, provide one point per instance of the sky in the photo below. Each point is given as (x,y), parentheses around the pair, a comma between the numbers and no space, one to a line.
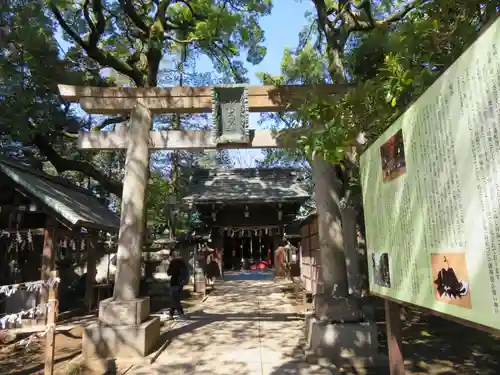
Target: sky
(281,30)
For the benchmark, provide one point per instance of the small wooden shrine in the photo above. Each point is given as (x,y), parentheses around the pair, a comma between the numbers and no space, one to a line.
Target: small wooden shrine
(47,224)
(247,210)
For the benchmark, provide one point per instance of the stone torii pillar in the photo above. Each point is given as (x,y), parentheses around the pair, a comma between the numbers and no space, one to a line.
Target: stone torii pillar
(124,329)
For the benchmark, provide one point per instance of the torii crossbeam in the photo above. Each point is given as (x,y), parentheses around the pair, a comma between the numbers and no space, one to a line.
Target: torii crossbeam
(104,100)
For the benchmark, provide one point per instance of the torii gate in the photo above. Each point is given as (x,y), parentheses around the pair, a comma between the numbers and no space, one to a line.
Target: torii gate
(125,327)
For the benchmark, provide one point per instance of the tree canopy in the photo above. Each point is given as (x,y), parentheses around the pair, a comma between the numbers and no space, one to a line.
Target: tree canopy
(136,43)
(389,51)
(132,37)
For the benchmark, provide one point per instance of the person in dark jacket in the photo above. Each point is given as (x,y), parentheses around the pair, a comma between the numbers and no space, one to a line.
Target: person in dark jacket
(179,276)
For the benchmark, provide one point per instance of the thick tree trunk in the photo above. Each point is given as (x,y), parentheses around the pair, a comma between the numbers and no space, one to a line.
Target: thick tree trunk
(328,190)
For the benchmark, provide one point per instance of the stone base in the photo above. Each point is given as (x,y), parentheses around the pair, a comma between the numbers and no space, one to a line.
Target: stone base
(103,342)
(338,309)
(341,341)
(115,312)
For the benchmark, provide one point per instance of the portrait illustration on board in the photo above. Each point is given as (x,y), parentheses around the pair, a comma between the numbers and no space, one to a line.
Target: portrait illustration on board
(450,279)
(380,267)
(392,155)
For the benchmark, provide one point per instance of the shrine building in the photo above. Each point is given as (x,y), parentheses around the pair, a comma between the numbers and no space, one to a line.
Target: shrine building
(247,211)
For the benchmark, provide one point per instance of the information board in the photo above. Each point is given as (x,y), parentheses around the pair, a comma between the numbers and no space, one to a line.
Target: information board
(431,192)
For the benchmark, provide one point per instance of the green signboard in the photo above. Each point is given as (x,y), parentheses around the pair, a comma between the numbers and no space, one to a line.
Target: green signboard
(431,192)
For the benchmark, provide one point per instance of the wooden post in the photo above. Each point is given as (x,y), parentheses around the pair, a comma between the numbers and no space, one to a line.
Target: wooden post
(394,340)
(48,261)
(50,338)
(91,271)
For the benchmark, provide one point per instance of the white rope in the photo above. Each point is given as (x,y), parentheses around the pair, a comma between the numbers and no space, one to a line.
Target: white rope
(17,236)
(31,313)
(37,286)
(38,335)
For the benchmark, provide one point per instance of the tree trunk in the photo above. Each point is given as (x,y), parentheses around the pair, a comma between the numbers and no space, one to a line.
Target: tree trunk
(328,190)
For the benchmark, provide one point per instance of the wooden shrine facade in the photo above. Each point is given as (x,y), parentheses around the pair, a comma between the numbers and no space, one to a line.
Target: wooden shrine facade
(46,224)
(247,210)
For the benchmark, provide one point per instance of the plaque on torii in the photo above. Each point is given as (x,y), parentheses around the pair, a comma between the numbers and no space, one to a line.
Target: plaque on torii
(230,116)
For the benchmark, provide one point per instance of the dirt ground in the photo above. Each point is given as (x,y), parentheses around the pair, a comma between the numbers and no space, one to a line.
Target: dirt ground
(432,345)
(21,360)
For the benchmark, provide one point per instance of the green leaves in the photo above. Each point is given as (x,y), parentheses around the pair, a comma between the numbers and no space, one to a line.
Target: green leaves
(137,35)
(388,67)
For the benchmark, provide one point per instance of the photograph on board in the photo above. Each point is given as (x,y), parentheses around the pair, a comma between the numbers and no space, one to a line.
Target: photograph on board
(380,266)
(392,155)
(451,282)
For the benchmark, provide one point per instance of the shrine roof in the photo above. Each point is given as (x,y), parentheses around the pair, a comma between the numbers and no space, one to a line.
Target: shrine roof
(74,205)
(248,184)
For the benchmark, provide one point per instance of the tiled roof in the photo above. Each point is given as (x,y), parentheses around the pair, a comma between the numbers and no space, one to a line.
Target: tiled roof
(71,203)
(250,184)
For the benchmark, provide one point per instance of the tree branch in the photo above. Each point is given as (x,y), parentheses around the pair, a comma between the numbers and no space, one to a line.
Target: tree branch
(110,121)
(195,15)
(238,77)
(104,58)
(98,9)
(401,13)
(62,165)
(129,10)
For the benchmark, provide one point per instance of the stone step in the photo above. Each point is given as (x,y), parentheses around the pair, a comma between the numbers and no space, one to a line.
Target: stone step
(378,365)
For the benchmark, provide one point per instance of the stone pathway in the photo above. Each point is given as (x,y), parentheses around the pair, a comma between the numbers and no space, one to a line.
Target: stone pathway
(245,327)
